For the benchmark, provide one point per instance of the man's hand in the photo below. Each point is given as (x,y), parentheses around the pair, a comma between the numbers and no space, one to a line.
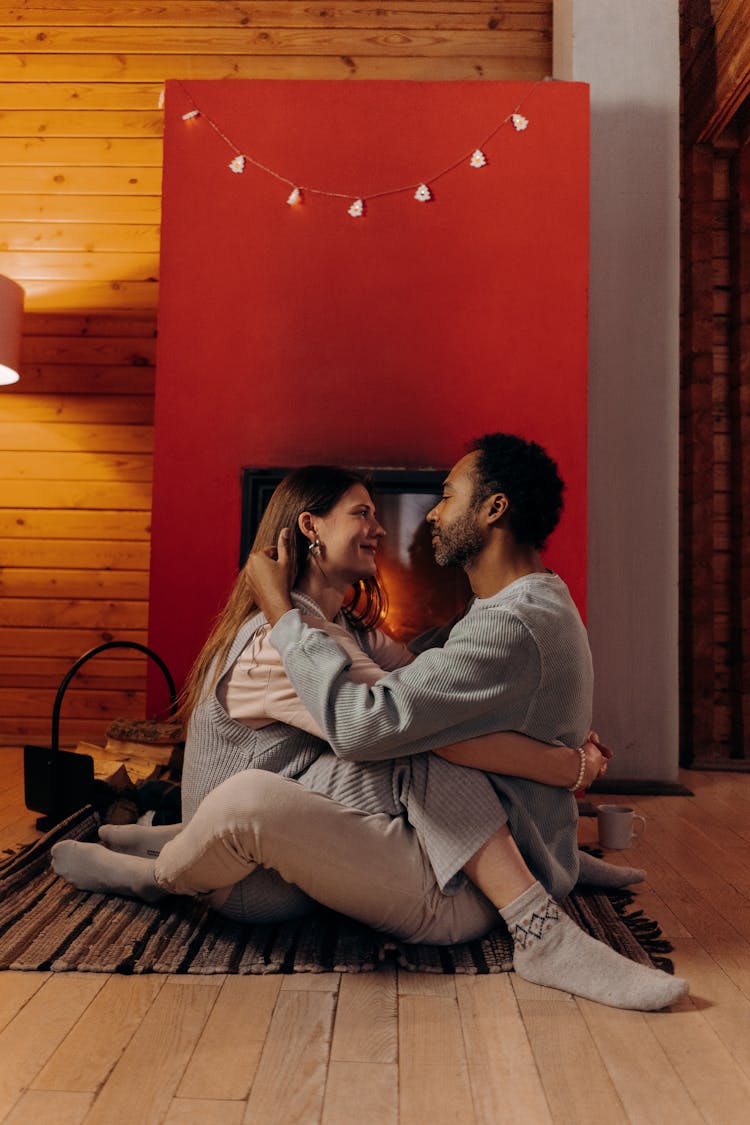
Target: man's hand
(269,574)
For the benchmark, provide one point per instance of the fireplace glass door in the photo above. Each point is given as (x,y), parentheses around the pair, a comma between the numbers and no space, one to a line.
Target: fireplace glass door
(422,596)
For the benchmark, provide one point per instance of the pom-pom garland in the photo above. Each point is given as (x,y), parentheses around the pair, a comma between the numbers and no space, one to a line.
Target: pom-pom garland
(422,192)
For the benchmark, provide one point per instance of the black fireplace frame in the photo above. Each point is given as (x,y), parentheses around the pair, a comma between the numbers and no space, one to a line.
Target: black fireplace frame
(258,485)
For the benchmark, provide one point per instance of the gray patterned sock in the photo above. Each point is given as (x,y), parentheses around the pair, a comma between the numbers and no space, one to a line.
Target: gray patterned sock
(550,949)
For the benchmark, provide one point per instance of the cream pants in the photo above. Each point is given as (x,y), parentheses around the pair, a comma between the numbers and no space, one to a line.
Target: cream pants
(368,866)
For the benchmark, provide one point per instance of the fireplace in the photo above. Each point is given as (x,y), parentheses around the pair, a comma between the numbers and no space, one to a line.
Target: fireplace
(421,594)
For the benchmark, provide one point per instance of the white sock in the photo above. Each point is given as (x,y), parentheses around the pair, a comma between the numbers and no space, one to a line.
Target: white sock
(138,839)
(92,867)
(595,872)
(550,949)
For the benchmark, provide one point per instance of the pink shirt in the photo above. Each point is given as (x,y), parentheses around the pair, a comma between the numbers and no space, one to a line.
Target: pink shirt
(257,691)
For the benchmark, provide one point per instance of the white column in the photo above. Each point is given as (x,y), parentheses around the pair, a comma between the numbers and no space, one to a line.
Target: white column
(629,55)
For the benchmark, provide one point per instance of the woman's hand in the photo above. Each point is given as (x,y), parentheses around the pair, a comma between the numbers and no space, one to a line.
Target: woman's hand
(269,574)
(597,756)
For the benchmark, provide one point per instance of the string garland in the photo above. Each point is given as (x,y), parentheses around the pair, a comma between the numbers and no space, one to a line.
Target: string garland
(421,190)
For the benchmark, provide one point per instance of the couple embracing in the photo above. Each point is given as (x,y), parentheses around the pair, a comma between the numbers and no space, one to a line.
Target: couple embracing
(324,763)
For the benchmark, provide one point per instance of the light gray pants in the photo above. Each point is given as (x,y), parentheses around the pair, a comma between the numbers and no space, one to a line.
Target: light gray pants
(369,866)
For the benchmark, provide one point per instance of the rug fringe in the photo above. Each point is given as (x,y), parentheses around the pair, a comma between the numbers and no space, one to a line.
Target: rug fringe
(645,930)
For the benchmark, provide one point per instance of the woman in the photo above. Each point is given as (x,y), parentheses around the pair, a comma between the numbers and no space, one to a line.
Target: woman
(240,706)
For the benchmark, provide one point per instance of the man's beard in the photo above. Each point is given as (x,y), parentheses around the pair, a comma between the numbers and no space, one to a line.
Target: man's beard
(459,543)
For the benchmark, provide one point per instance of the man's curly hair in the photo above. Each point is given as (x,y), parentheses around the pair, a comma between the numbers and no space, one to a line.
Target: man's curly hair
(524,472)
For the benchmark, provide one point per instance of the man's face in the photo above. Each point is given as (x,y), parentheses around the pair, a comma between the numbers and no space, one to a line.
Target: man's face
(457,537)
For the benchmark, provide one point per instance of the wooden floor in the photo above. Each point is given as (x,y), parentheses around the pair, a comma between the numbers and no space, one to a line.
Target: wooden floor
(389,1047)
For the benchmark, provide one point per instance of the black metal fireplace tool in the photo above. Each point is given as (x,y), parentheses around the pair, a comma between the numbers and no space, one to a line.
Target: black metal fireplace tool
(58,782)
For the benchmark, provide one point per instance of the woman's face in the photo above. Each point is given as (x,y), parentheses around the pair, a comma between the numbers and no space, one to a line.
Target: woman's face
(349,536)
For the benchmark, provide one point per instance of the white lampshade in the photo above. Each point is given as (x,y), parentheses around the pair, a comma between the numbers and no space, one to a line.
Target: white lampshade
(11,317)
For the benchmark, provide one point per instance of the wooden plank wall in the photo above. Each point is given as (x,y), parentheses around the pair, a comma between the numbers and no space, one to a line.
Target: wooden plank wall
(715,400)
(80,150)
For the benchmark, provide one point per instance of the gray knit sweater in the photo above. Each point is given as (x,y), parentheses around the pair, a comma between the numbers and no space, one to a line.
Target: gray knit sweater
(454,809)
(519,661)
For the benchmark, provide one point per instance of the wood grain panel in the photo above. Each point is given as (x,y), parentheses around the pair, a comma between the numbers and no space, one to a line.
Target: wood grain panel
(71,209)
(75,613)
(24,96)
(73,436)
(134,323)
(108,672)
(72,524)
(21,731)
(86,266)
(41,180)
(102,705)
(103,124)
(715,491)
(33,582)
(69,379)
(103,495)
(697,455)
(110,348)
(74,466)
(135,410)
(486,14)
(487,63)
(60,554)
(301,41)
(90,296)
(82,152)
(68,642)
(738,583)
(25,235)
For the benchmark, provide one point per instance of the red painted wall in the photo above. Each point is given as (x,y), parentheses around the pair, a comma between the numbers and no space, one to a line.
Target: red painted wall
(295,335)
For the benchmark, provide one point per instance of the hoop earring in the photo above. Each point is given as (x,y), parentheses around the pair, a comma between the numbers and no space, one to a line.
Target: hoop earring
(315,547)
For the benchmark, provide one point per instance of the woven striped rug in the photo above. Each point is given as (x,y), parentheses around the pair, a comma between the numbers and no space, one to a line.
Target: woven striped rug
(47,924)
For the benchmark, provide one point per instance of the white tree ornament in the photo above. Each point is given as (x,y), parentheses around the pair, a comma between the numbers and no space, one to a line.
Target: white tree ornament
(519,122)
(423,194)
(357,209)
(478,159)
(238,164)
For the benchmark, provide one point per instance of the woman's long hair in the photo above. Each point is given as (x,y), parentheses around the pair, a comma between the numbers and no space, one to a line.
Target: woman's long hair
(313,488)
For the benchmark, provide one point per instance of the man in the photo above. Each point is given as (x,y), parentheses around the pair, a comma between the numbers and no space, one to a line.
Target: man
(518,660)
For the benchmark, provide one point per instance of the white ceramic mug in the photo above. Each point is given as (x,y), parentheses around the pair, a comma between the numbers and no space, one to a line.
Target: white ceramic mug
(617,826)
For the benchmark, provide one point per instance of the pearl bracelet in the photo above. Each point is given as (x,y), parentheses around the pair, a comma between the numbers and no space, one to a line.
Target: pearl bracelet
(581,772)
